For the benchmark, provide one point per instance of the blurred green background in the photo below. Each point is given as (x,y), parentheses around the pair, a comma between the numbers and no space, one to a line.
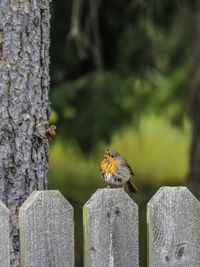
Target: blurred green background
(120,78)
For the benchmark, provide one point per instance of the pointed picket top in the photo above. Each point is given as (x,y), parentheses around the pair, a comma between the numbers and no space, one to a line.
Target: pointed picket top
(109,193)
(173,217)
(110,219)
(4,235)
(46,230)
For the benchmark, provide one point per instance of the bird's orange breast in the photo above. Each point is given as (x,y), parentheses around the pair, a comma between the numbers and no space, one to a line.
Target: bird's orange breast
(108,165)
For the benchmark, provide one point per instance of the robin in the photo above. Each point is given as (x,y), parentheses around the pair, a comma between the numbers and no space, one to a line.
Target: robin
(115,170)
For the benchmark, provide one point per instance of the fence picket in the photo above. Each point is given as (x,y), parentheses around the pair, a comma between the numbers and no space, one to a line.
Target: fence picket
(46,231)
(173,217)
(110,219)
(4,236)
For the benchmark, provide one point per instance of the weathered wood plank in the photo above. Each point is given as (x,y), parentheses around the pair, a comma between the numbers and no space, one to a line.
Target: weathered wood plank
(110,220)
(4,236)
(173,217)
(46,231)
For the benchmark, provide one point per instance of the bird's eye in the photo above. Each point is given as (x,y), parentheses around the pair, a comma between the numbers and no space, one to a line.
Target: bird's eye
(112,156)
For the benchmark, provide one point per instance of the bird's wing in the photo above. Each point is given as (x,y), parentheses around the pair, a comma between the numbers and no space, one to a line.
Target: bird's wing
(129,167)
(125,163)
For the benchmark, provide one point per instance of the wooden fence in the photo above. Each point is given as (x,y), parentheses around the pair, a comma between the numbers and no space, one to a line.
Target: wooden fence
(110,221)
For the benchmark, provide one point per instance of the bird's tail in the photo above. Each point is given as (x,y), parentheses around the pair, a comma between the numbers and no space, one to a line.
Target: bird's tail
(132,188)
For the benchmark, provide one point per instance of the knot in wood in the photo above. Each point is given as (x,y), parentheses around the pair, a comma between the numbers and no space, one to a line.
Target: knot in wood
(113,214)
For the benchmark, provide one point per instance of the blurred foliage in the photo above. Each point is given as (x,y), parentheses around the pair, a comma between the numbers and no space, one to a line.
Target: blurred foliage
(97,105)
(101,103)
(146,54)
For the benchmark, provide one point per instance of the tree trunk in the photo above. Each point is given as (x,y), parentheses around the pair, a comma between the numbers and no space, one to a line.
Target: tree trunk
(24,104)
(194,171)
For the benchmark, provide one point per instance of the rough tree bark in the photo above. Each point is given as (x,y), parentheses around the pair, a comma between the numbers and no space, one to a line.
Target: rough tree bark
(194,169)
(24,104)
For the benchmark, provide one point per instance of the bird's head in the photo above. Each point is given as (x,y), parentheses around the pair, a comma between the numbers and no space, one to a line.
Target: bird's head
(110,153)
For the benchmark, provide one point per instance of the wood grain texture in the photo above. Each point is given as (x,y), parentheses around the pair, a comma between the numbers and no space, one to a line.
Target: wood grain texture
(173,217)
(110,220)
(24,105)
(46,231)
(4,236)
